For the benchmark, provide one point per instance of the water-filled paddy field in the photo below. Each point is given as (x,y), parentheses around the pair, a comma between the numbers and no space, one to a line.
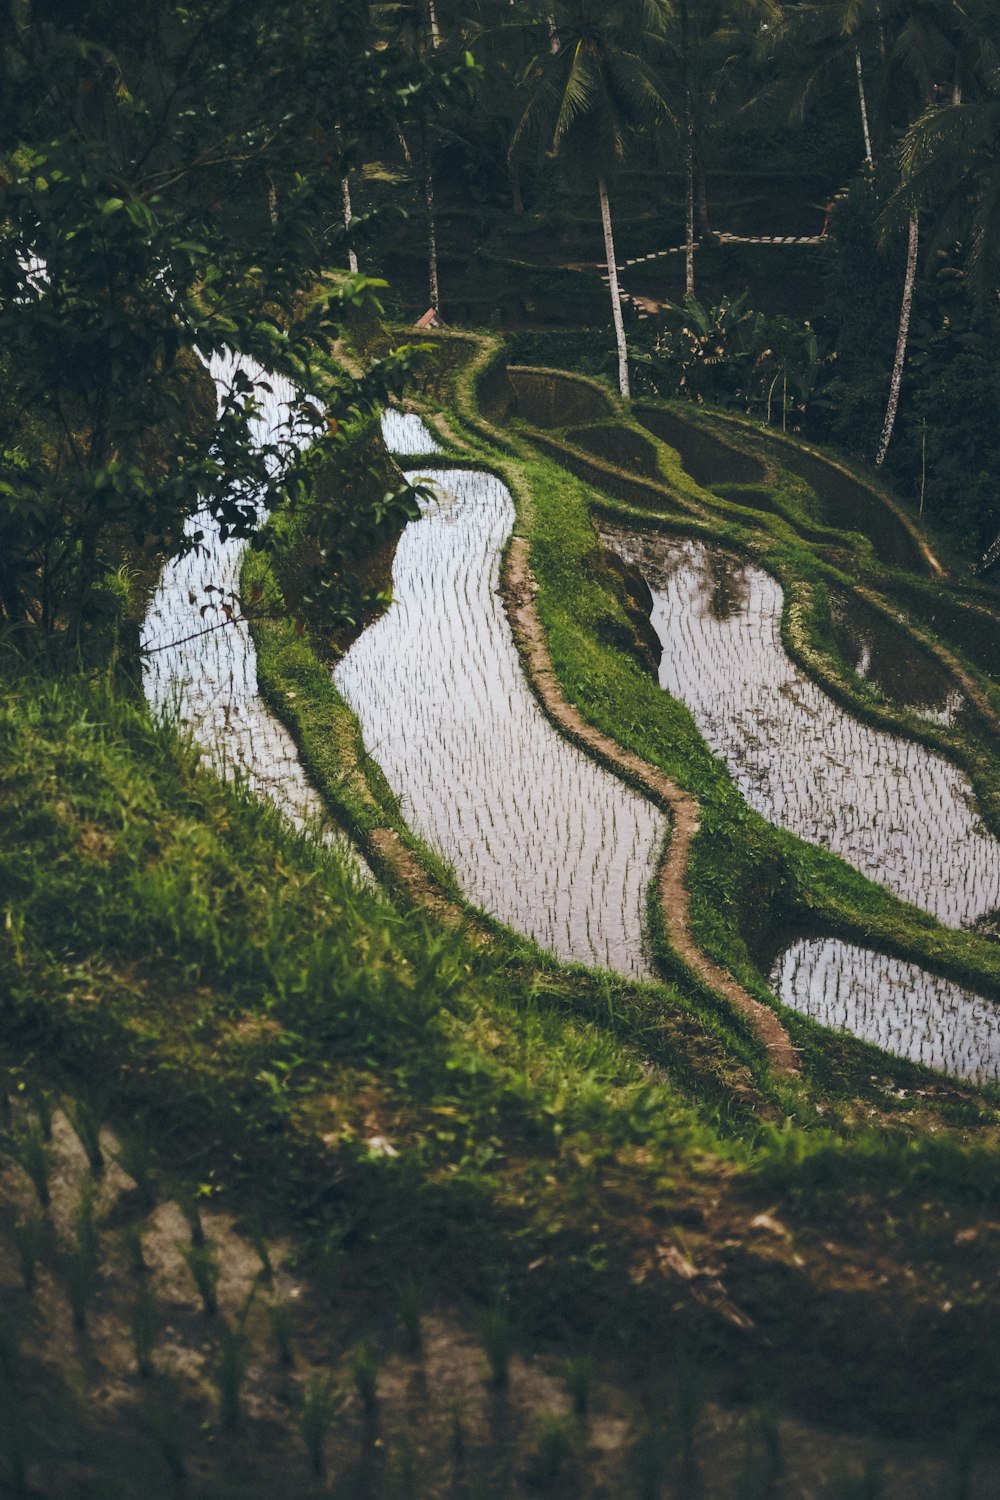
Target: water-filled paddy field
(902,815)
(550,843)
(899,813)
(897,1005)
(537,834)
(202,668)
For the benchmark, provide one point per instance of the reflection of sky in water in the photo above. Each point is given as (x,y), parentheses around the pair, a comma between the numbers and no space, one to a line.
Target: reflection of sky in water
(405,434)
(894,1004)
(899,813)
(209,676)
(539,836)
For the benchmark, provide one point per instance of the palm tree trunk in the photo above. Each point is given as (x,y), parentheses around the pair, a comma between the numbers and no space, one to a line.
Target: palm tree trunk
(432,249)
(688,154)
(901,338)
(704,221)
(616,298)
(869,159)
(352,258)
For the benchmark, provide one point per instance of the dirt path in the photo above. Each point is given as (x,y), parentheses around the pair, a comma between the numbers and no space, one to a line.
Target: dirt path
(519,590)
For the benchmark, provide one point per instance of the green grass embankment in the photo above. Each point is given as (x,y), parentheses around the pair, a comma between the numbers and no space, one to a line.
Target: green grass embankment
(745,874)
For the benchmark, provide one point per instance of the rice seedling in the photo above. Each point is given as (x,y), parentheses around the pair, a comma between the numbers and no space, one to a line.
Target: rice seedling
(230,1373)
(496,1333)
(86,1118)
(202,1261)
(144,1326)
(28,1242)
(365,1369)
(280,1323)
(34,1155)
(320,1404)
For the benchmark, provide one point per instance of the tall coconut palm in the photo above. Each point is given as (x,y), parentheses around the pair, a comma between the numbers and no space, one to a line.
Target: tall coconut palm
(592,85)
(707,45)
(950,164)
(922,51)
(415,25)
(936,50)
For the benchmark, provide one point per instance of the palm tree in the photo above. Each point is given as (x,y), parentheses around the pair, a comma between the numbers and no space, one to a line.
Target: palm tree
(926,50)
(591,86)
(711,38)
(937,50)
(414,25)
(949,163)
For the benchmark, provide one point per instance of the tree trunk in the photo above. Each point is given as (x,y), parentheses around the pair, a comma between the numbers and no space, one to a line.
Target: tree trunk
(272,201)
(352,258)
(869,159)
(616,299)
(432,249)
(553,35)
(688,153)
(433,21)
(901,338)
(704,222)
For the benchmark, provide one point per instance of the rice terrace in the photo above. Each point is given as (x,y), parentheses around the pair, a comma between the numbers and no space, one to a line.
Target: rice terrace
(500,750)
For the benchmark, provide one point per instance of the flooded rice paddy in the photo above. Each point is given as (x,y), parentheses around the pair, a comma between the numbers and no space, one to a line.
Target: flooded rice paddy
(203,670)
(883,654)
(894,1004)
(900,814)
(538,835)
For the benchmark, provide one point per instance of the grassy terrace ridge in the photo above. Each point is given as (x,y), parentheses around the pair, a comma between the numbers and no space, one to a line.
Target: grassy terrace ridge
(463,1163)
(805,883)
(764,867)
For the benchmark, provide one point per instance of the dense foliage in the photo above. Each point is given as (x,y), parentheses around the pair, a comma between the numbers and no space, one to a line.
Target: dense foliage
(171,178)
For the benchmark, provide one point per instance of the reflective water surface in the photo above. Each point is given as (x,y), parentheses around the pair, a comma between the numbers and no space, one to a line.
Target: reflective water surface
(884,654)
(538,835)
(406,434)
(894,1004)
(899,813)
(205,668)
